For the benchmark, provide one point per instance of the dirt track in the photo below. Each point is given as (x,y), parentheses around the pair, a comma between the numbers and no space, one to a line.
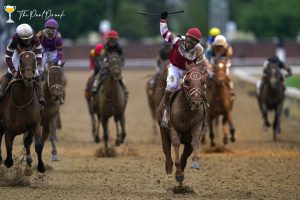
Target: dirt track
(254,168)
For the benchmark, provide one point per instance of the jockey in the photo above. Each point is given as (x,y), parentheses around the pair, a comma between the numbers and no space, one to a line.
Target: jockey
(213,32)
(186,49)
(163,56)
(283,67)
(221,50)
(23,39)
(51,42)
(98,58)
(111,46)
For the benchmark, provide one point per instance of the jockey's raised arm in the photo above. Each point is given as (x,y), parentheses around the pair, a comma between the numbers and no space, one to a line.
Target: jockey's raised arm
(166,34)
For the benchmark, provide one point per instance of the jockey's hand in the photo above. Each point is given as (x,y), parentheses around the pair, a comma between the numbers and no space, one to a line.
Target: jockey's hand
(164,15)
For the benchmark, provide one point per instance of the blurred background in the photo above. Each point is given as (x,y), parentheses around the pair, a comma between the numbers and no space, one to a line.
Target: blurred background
(255,28)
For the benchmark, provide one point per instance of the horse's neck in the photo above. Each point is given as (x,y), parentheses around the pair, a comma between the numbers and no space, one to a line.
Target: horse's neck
(20,92)
(110,86)
(183,102)
(47,93)
(271,92)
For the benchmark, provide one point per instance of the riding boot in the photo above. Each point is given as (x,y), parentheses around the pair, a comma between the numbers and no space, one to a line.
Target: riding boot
(96,84)
(165,119)
(40,91)
(124,87)
(3,83)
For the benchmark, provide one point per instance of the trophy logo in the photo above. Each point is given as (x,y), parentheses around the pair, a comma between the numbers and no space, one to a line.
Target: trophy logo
(9,9)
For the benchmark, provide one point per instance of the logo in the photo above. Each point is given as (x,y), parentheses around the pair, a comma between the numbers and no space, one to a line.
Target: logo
(9,9)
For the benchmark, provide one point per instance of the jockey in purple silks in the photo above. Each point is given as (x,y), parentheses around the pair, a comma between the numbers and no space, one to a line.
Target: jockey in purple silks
(23,40)
(51,42)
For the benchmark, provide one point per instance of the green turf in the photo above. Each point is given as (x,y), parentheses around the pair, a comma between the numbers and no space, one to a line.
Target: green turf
(293,81)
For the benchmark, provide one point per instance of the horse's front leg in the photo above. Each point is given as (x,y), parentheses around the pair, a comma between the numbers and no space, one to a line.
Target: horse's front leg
(39,145)
(211,132)
(225,133)
(123,131)
(166,144)
(94,123)
(9,140)
(276,123)
(1,135)
(52,129)
(267,124)
(104,122)
(187,151)
(179,176)
(197,132)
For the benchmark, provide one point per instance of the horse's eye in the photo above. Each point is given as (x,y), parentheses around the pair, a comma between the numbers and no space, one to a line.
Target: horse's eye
(187,83)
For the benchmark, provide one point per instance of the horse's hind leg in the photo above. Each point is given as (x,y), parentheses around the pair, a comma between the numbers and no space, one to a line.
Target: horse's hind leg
(123,131)
(53,139)
(9,139)
(39,145)
(231,126)
(225,138)
(27,144)
(211,133)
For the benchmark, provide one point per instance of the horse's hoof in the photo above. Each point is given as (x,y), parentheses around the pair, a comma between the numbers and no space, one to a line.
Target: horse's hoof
(117,143)
(179,178)
(55,158)
(232,139)
(212,144)
(225,140)
(41,168)
(195,165)
(165,125)
(28,171)
(97,140)
(8,164)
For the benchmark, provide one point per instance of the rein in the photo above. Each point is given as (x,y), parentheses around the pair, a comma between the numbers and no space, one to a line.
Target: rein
(11,97)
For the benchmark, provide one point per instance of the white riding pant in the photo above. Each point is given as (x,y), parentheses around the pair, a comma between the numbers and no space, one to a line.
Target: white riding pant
(48,56)
(174,78)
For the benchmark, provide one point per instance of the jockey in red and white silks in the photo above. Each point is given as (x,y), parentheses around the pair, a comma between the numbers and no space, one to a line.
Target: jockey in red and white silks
(185,50)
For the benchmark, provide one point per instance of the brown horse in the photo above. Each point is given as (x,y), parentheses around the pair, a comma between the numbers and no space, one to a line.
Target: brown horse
(110,99)
(92,112)
(220,101)
(53,89)
(155,86)
(187,120)
(20,111)
(271,97)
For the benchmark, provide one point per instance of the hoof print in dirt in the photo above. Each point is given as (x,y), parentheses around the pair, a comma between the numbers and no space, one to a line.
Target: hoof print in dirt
(106,152)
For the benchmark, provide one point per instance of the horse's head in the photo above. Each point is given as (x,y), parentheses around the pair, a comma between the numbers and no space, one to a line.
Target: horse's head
(273,75)
(54,78)
(219,70)
(194,83)
(27,66)
(114,64)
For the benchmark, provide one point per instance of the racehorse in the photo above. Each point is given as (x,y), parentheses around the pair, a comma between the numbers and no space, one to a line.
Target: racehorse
(111,100)
(271,96)
(20,111)
(187,120)
(220,101)
(53,89)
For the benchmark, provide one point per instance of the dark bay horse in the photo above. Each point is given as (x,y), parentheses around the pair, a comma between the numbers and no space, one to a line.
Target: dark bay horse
(111,100)
(155,86)
(187,120)
(20,112)
(271,97)
(53,89)
(220,101)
